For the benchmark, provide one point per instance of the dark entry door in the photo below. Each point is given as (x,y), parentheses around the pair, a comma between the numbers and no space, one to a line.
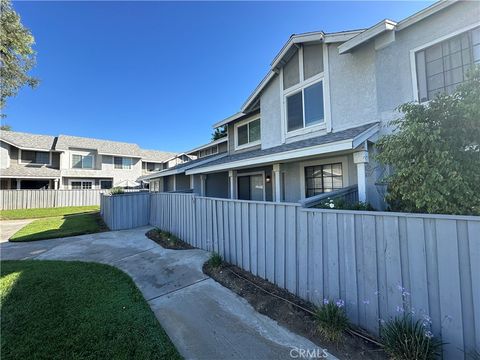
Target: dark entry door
(244,187)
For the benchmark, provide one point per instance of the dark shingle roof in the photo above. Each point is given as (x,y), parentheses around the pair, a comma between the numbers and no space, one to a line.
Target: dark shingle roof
(301,144)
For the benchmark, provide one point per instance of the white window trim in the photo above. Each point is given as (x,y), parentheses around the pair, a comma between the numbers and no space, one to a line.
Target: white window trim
(332,160)
(122,168)
(413,63)
(248,144)
(81,181)
(32,163)
(324,77)
(82,154)
(252,174)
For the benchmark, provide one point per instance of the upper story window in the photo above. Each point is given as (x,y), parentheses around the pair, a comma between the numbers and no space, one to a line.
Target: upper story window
(124,163)
(248,133)
(35,157)
(303,88)
(82,161)
(443,66)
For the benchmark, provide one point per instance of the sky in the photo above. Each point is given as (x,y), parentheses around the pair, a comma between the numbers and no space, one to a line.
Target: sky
(159,74)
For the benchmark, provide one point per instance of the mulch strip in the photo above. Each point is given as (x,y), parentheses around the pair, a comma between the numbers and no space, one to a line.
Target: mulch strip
(289,313)
(166,242)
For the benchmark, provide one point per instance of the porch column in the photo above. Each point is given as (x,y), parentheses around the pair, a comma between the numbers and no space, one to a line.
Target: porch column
(276,183)
(19,184)
(232,177)
(55,184)
(174,182)
(361,159)
(203,185)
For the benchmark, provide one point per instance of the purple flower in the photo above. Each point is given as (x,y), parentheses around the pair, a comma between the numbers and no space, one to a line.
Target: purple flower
(427,319)
(325,301)
(428,334)
(366,302)
(400,309)
(340,303)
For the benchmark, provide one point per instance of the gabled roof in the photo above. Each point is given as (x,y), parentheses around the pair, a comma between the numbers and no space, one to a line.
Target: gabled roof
(335,141)
(208,145)
(156,156)
(105,147)
(28,141)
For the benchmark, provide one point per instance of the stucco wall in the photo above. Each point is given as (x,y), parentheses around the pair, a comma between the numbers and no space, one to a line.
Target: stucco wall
(4,156)
(270,110)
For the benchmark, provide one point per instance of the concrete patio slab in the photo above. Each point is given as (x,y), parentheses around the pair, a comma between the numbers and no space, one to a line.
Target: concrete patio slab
(203,319)
(10,227)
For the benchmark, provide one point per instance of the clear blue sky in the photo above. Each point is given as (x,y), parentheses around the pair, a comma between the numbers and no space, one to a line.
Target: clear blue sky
(160,74)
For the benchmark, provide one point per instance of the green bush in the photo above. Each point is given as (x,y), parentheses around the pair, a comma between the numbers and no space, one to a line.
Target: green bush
(215,260)
(434,154)
(341,204)
(331,320)
(406,339)
(116,190)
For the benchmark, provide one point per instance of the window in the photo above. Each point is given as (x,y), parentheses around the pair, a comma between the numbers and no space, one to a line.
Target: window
(35,157)
(122,163)
(106,184)
(81,185)
(443,66)
(249,133)
(323,178)
(82,161)
(303,88)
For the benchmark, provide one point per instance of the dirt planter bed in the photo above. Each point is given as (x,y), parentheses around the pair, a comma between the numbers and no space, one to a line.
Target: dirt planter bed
(287,313)
(167,241)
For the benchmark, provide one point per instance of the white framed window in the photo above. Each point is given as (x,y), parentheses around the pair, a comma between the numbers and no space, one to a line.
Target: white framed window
(442,65)
(124,163)
(35,157)
(81,184)
(303,89)
(80,161)
(247,133)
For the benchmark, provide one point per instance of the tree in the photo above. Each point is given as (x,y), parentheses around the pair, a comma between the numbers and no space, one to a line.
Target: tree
(435,153)
(17,57)
(5,127)
(219,133)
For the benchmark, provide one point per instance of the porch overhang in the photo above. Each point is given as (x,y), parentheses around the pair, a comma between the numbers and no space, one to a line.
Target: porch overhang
(322,149)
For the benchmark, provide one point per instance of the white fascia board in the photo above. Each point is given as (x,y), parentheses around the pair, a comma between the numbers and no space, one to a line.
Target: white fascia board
(27,148)
(381,27)
(206,146)
(286,155)
(118,155)
(228,119)
(296,39)
(368,134)
(257,90)
(432,9)
(341,36)
(21,177)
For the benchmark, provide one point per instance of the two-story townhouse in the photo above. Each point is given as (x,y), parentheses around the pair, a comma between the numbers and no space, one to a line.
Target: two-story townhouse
(31,161)
(28,161)
(311,125)
(175,179)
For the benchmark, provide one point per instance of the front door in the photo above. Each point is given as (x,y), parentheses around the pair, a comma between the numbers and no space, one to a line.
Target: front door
(250,187)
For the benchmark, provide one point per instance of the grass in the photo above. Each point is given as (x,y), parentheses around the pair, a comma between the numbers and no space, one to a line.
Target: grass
(76,310)
(215,260)
(43,213)
(60,226)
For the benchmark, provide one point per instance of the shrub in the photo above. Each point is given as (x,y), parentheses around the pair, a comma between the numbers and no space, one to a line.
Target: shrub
(215,260)
(341,204)
(405,339)
(116,190)
(331,320)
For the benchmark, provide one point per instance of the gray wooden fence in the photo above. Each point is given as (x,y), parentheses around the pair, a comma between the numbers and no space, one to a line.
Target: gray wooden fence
(125,211)
(379,263)
(30,199)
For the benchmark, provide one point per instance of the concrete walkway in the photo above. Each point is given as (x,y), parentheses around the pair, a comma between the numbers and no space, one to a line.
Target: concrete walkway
(203,319)
(10,227)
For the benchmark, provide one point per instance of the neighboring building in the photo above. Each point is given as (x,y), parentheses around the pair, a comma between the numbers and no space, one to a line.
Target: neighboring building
(173,178)
(311,124)
(30,161)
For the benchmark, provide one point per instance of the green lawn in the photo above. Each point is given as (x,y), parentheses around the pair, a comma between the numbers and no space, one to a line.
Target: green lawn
(76,310)
(60,226)
(42,213)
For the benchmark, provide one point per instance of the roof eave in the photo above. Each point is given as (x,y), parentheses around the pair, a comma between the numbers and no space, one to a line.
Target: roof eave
(367,35)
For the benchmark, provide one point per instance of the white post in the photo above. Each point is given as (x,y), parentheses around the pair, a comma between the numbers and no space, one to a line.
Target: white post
(55,183)
(276,183)
(203,185)
(174,182)
(19,184)
(232,175)
(361,159)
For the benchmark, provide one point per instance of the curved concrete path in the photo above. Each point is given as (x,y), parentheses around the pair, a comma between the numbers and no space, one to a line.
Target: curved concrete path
(203,319)
(10,227)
